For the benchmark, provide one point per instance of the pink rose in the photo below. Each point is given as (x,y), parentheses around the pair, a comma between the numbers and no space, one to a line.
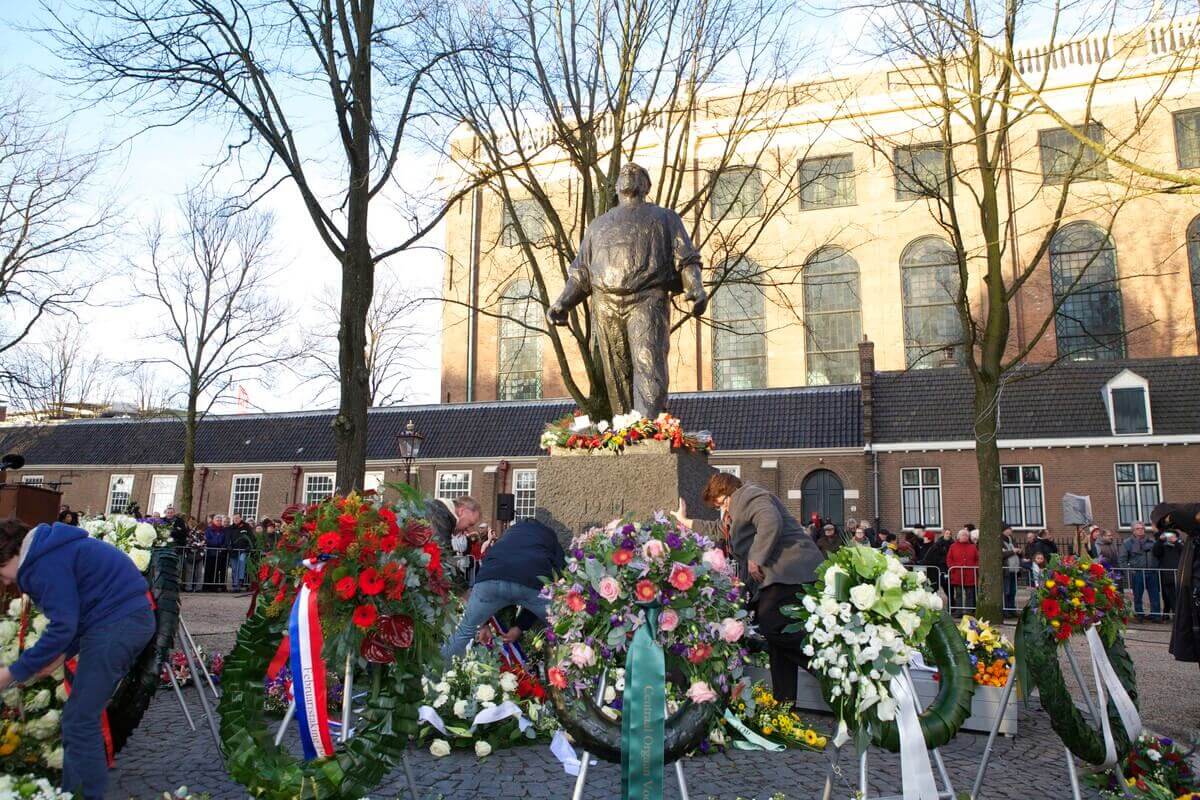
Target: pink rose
(701,692)
(668,620)
(682,577)
(609,589)
(714,559)
(654,550)
(732,629)
(582,655)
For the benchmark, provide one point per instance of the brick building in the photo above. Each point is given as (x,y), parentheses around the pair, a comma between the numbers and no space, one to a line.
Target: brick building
(898,447)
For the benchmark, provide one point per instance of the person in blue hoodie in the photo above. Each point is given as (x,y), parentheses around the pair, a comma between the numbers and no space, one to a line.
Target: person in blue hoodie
(96,601)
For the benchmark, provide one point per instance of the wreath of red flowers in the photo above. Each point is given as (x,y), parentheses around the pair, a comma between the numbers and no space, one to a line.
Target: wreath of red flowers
(1078,593)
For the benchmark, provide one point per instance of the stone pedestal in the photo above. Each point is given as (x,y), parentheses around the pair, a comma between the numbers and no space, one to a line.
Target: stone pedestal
(578,490)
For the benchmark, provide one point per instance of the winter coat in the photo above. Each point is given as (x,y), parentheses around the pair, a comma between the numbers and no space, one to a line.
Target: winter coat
(965,556)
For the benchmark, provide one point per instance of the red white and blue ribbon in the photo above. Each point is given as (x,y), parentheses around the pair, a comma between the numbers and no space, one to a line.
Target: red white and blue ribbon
(510,652)
(308,671)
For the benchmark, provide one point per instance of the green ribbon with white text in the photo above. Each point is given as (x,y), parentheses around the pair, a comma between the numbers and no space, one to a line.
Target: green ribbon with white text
(644,714)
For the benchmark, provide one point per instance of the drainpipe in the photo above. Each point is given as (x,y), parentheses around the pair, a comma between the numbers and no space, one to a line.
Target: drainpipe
(875,478)
(200,502)
(296,471)
(502,470)
(473,291)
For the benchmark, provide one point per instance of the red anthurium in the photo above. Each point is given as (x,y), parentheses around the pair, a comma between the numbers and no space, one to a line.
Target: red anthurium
(396,630)
(375,650)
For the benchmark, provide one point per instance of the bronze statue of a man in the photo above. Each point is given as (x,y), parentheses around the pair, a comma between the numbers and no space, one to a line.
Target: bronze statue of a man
(632,258)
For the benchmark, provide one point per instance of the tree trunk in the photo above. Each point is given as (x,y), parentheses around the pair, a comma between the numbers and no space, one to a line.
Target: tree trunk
(350,425)
(989,587)
(189,451)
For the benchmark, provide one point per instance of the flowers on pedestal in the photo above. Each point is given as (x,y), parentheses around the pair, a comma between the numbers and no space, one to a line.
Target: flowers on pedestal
(581,433)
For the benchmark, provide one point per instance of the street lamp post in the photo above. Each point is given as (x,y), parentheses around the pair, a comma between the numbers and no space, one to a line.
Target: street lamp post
(408,442)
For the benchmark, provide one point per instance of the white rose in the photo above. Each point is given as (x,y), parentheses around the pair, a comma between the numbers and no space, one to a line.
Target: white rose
(935,601)
(54,758)
(1154,755)
(610,694)
(8,631)
(141,558)
(828,605)
(908,621)
(442,688)
(508,682)
(482,749)
(863,596)
(460,708)
(913,599)
(439,748)
(440,701)
(14,608)
(889,581)
(485,693)
(39,701)
(145,534)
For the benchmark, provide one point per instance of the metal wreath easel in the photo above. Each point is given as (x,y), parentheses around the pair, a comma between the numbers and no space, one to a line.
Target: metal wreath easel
(1072,772)
(346,725)
(585,757)
(197,668)
(863,788)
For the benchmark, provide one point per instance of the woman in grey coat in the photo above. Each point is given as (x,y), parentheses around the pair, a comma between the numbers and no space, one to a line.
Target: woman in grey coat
(778,558)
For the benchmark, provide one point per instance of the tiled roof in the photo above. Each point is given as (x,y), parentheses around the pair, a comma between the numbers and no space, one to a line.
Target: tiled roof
(809,417)
(1063,402)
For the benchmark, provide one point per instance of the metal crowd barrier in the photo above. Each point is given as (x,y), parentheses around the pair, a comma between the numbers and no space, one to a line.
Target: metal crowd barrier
(217,569)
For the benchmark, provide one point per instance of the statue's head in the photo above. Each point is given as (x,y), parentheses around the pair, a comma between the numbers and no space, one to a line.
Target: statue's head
(633,182)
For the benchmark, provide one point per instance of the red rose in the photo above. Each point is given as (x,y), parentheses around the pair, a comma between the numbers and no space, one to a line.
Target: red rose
(365,615)
(313,579)
(699,653)
(329,543)
(1097,570)
(621,557)
(370,582)
(1051,608)
(346,587)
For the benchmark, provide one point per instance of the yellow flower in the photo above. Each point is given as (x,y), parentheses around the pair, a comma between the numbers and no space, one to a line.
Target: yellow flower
(1079,584)
(768,730)
(810,738)
(1075,601)
(821,741)
(1050,584)
(1054,623)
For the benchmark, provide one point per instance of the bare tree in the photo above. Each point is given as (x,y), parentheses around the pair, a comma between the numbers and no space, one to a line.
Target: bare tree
(392,340)
(210,283)
(47,222)
(1002,194)
(352,71)
(567,92)
(59,377)
(148,393)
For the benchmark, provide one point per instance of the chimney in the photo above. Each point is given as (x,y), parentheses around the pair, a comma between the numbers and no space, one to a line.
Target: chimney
(866,371)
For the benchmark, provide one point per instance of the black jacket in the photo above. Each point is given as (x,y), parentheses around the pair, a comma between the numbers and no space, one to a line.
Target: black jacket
(527,553)
(1044,546)
(179,531)
(1167,555)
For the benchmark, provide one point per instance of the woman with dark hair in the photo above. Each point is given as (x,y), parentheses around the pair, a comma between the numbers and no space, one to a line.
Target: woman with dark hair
(98,608)
(775,557)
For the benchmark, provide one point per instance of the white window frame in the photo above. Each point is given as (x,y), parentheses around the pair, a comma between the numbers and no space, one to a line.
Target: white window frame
(1022,485)
(524,497)
(1127,379)
(150,504)
(332,476)
(33,480)
(1137,486)
(733,469)
(438,483)
(921,487)
(257,495)
(112,480)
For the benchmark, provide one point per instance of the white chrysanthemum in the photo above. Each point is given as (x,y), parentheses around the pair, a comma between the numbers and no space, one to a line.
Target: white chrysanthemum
(440,701)
(61,693)
(145,534)
(485,693)
(141,558)
(53,758)
(40,623)
(888,581)
(38,700)
(508,682)
(45,726)
(14,608)
(482,749)
(442,688)
(8,631)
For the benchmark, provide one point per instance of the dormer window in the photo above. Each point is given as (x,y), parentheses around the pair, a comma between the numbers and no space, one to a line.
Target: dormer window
(1127,399)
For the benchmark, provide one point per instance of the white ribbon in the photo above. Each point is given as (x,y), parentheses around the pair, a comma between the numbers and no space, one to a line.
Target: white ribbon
(916,774)
(561,747)
(503,711)
(428,715)
(1104,674)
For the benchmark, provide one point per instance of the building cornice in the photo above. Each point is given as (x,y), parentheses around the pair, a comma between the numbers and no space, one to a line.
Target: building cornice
(1040,443)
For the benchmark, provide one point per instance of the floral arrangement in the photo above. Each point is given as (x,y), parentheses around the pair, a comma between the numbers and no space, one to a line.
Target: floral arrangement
(30,741)
(177,662)
(580,433)
(135,538)
(475,684)
(594,612)
(182,793)
(278,692)
(1155,767)
(761,712)
(29,787)
(370,572)
(990,650)
(1077,594)
(865,617)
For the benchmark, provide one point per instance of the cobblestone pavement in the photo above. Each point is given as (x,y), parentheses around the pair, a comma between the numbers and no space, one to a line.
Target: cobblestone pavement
(164,753)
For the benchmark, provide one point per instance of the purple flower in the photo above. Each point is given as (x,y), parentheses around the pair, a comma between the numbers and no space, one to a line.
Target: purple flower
(550,637)
(592,607)
(577,554)
(617,703)
(615,620)
(673,541)
(628,529)
(628,543)
(679,648)
(1165,742)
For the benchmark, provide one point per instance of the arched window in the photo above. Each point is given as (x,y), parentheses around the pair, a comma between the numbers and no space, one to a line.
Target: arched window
(832,316)
(739,331)
(1193,248)
(1083,269)
(929,281)
(520,343)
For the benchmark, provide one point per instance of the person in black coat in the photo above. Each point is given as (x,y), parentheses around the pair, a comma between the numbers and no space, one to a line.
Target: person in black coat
(1185,634)
(1167,552)
(512,574)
